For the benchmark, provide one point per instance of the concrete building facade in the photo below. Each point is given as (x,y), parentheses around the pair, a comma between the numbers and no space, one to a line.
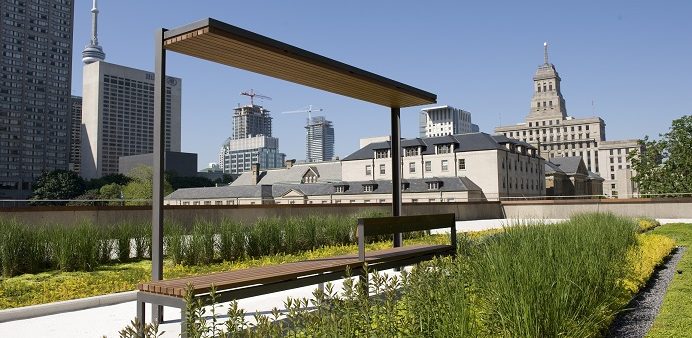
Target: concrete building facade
(35,84)
(118,116)
(319,140)
(445,120)
(550,129)
(617,167)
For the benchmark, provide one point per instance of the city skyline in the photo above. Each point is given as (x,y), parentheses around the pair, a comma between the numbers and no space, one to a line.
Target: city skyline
(478,58)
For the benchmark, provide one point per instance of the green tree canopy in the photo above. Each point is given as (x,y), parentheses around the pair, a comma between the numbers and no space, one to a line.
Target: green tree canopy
(665,166)
(57,185)
(142,185)
(97,183)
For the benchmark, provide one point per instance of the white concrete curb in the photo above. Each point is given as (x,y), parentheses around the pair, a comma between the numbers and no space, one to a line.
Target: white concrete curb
(66,306)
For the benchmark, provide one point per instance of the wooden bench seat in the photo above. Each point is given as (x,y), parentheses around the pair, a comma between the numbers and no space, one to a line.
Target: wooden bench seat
(251,282)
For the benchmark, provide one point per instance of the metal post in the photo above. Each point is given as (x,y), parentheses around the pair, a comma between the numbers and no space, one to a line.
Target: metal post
(396,170)
(158,166)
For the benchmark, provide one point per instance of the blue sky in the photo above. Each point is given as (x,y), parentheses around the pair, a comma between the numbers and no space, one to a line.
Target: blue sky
(630,58)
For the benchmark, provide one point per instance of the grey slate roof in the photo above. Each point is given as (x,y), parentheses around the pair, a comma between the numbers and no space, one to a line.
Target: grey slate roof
(594,176)
(316,189)
(569,165)
(552,168)
(462,143)
(327,171)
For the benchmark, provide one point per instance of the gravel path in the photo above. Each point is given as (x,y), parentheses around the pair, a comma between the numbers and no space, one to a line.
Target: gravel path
(642,310)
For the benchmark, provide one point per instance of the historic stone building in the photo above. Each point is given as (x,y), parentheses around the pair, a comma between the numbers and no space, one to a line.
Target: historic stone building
(550,129)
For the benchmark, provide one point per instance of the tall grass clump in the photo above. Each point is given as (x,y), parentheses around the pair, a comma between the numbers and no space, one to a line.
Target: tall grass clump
(554,280)
(141,233)
(122,234)
(231,240)
(22,250)
(174,242)
(75,248)
(198,249)
(264,237)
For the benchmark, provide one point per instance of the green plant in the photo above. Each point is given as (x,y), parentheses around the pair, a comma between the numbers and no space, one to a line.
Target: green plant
(175,242)
(75,248)
(22,249)
(199,248)
(231,240)
(122,233)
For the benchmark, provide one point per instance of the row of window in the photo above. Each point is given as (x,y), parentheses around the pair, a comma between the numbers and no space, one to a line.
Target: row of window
(444,165)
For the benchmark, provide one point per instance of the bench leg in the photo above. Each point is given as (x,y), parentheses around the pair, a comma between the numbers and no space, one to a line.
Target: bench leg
(156,313)
(140,313)
(183,323)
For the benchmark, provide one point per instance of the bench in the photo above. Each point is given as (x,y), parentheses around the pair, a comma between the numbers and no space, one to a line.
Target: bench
(237,284)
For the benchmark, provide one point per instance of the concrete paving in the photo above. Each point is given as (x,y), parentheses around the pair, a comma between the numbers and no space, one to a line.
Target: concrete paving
(108,320)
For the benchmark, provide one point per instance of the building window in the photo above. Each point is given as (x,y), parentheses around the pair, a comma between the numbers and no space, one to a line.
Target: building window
(550,87)
(405,186)
(218,203)
(368,170)
(462,164)
(412,167)
(444,148)
(445,165)
(612,176)
(382,153)
(340,188)
(411,151)
(428,166)
(382,169)
(369,187)
(435,185)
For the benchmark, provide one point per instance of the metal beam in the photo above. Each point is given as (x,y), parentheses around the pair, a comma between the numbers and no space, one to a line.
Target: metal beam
(396,168)
(158,166)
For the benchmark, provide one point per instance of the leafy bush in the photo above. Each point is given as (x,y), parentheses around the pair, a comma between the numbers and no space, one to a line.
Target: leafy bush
(646,224)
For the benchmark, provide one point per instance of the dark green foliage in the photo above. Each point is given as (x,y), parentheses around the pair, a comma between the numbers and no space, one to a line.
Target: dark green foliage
(89,197)
(57,185)
(199,246)
(180,182)
(22,250)
(97,183)
(664,166)
(174,242)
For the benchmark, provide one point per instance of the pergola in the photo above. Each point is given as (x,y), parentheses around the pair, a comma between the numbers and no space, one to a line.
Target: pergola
(222,43)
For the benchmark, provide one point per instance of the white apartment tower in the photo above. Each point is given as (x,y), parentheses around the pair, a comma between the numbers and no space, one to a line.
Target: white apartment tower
(35,82)
(445,120)
(319,140)
(550,129)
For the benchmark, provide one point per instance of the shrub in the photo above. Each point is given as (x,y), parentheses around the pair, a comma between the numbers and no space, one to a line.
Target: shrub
(231,240)
(646,223)
(122,233)
(199,247)
(175,242)
(554,280)
(22,250)
(75,248)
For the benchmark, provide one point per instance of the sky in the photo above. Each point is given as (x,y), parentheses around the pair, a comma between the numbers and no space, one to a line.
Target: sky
(628,62)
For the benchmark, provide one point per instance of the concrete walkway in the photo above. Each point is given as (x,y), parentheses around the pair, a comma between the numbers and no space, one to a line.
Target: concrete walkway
(107,320)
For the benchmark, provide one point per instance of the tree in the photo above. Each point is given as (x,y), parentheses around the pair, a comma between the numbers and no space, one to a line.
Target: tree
(180,182)
(665,165)
(97,183)
(142,185)
(57,185)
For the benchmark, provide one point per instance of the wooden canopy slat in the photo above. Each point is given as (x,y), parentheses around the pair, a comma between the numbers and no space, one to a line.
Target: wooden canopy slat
(216,41)
(260,62)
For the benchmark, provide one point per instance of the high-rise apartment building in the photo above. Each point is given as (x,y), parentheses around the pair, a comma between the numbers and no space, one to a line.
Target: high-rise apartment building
(548,127)
(251,142)
(118,116)
(319,140)
(251,120)
(75,133)
(35,84)
(445,120)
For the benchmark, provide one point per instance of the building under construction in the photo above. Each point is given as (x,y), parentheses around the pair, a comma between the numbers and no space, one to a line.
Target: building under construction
(319,140)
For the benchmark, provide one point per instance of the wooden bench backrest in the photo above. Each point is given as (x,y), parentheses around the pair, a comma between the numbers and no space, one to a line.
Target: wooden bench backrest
(397,224)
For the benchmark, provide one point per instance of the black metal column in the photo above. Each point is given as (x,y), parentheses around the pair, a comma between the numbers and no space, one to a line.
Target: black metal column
(396,169)
(158,167)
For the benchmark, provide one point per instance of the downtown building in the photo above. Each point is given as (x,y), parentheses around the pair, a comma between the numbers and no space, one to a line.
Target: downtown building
(445,120)
(548,127)
(555,134)
(251,142)
(319,140)
(35,85)
(118,111)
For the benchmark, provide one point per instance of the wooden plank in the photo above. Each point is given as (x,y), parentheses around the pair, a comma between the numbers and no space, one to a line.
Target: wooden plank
(395,224)
(278,273)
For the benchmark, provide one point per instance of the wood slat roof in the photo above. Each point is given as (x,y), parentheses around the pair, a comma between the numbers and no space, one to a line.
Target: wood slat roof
(219,42)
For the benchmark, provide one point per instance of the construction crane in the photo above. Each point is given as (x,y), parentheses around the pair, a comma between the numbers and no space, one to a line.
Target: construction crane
(309,110)
(251,93)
